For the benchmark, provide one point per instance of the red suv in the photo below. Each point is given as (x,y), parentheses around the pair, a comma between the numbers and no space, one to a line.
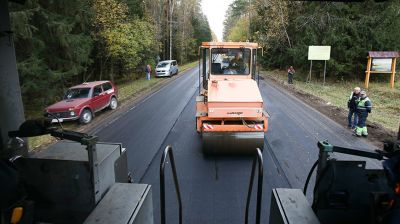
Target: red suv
(82,101)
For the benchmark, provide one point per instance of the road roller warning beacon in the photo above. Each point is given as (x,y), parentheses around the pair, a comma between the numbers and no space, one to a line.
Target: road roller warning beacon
(229,109)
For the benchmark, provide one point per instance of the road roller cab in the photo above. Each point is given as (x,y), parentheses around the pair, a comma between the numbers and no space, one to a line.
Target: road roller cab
(230,112)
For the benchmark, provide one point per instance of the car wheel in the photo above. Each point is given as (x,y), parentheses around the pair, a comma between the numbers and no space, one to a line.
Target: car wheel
(113,103)
(86,116)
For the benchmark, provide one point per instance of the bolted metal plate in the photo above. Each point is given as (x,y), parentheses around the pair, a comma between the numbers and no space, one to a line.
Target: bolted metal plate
(290,206)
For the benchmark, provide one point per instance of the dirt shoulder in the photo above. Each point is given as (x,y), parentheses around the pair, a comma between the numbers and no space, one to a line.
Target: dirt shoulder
(105,117)
(376,132)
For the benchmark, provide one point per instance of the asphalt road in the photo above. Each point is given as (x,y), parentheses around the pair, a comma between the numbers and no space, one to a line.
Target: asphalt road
(214,188)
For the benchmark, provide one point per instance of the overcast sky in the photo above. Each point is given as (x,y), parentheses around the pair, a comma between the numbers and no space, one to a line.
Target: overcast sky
(215,12)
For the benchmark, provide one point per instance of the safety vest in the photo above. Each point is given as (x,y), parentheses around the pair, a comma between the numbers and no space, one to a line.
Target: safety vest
(364,104)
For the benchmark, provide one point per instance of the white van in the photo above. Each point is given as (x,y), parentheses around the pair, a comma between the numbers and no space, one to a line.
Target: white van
(167,68)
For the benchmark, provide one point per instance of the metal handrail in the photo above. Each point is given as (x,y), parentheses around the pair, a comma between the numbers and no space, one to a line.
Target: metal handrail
(199,71)
(258,157)
(168,152)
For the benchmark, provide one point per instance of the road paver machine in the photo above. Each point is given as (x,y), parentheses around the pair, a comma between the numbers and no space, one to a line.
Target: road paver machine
(230,112)
(345,191)
(76,180)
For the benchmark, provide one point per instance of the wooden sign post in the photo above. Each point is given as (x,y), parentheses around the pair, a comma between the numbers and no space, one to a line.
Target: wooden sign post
(377,64)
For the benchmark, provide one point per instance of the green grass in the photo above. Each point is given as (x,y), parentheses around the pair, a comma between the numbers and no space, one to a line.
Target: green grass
(126,90)
(129,89)
(36,142)
(188,65)
(386,101)
(132,88)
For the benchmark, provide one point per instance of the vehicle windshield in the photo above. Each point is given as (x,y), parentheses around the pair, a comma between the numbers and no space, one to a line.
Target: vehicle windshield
(77,93)
(163,65)
(230,61)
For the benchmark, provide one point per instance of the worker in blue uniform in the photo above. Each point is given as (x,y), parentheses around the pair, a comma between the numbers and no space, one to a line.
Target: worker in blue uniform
(352,105)
(364,107)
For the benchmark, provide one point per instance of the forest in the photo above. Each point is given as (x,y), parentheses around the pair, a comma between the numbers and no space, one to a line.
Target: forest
(62,43)
(285,29)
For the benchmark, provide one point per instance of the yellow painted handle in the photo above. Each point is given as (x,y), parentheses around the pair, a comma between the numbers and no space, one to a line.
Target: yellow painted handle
(16,215)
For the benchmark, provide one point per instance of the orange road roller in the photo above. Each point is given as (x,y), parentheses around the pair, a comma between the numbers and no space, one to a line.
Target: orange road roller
(230,113)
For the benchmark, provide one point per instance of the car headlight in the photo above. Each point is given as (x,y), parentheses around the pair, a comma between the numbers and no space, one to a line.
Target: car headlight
(71,111)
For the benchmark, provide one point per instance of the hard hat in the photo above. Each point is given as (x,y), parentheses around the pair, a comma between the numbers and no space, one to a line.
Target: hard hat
(363,93)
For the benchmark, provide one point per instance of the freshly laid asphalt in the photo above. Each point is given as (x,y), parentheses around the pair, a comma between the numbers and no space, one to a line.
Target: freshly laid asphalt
(214,189)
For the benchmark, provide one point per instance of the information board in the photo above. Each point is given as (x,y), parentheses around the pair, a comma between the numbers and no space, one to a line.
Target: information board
(381,64)
(319,53)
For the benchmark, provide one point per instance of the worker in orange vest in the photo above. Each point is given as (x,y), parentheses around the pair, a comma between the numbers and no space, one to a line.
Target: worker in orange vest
(291,72)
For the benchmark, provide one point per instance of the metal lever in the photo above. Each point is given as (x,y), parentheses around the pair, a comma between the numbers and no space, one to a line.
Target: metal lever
(168,152)
(325,149)
(258,157)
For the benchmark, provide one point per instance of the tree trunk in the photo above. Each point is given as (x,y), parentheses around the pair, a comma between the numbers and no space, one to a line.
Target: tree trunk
(101,67)
(111,70)
(283,24)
